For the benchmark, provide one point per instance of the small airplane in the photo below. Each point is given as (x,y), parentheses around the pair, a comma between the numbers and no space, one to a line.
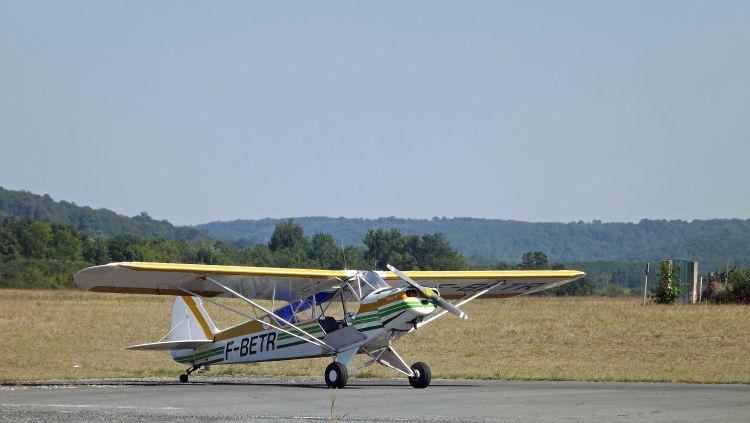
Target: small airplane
(314,319)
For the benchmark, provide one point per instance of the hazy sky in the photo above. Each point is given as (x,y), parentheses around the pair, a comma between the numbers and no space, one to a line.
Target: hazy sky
(528,110)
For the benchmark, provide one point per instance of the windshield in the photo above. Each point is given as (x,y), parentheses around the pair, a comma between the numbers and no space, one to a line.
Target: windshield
(366,282)
(374,279)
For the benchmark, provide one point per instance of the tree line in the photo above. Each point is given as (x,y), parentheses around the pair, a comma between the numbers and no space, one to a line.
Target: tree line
(93,222)
(712,242)
(35,254)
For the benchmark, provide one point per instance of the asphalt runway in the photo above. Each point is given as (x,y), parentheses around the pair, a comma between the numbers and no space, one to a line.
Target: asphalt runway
(365,400)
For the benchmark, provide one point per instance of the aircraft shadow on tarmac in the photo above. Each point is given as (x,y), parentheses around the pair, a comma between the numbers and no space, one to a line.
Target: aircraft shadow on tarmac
(311,384)
(322,385)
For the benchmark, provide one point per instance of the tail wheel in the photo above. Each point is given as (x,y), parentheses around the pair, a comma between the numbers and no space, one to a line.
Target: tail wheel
(422,375)
(336,375)
(184,376)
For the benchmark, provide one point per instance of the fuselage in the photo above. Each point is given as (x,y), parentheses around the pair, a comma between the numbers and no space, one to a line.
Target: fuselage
(384,315)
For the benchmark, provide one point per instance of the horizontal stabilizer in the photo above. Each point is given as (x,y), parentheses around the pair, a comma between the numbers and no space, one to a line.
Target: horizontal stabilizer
(171,345)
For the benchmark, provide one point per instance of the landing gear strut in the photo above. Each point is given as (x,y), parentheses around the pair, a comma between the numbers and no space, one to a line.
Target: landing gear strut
(184,376)
(422,375)
(336,375)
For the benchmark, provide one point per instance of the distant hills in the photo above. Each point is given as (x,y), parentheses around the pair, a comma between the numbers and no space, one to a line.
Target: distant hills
(94,222)
(713,242)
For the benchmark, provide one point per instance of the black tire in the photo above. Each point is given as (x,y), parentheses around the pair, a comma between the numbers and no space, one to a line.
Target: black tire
(336,375)
(184,378)
(422,375)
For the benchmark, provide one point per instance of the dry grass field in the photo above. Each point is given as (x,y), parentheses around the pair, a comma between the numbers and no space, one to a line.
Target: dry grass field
(73,334)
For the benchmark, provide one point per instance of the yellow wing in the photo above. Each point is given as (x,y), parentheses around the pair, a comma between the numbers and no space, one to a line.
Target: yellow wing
(293,284)
(170,278)
(504,283)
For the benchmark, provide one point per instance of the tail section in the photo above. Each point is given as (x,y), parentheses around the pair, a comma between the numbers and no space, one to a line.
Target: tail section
(190,320)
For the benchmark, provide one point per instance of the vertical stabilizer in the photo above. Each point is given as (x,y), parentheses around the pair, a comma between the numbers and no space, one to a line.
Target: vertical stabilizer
(190,320)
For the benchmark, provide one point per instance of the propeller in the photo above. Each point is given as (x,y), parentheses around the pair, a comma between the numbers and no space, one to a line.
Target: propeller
(429,293)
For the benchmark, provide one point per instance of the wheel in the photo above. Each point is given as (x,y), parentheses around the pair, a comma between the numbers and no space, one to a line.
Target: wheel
(422,375)
(183,378)
(336,375)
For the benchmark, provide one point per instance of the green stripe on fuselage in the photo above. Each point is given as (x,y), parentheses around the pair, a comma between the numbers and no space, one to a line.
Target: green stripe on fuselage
(402,305)
(200,356)
(309,330)
(365,319)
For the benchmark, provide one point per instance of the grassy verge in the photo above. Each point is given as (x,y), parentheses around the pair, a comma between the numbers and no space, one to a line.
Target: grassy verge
(73,334)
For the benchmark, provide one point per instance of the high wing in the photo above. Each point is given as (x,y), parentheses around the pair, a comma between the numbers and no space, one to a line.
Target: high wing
(501,283)
(264,283)
(293,284)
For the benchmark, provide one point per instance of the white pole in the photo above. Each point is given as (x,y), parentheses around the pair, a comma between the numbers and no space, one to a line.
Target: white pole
(700,291)
(726,275)
(645,285)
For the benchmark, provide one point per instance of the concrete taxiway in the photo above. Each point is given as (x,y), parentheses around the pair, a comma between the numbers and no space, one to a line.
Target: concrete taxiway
(364,400)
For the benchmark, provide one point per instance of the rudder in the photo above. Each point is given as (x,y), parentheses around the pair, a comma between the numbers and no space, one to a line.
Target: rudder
(190,320)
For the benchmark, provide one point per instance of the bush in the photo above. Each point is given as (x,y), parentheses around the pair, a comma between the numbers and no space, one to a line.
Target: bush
(739,286)
(668,289)
(39,273)
(731,288)
(716,292)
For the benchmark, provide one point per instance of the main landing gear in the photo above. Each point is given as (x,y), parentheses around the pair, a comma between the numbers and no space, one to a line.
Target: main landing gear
(336,375)
(184,376)
(422,375)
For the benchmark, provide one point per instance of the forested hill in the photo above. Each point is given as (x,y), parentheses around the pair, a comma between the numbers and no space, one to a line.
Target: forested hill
(714,242)
(93,222)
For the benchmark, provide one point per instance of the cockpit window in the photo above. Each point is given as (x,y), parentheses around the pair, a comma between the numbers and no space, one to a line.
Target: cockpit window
(367,282)
(411,292)
(374,280)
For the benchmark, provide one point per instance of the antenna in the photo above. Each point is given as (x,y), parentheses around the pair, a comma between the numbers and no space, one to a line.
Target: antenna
(343,251)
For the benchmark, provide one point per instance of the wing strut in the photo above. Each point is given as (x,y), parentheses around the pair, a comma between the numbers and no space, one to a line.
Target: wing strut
(269,324)
(307,338)
(459,304)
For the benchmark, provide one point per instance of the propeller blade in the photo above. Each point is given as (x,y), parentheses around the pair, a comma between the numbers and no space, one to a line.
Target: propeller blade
(429,294)
(408,280)
(451,308)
